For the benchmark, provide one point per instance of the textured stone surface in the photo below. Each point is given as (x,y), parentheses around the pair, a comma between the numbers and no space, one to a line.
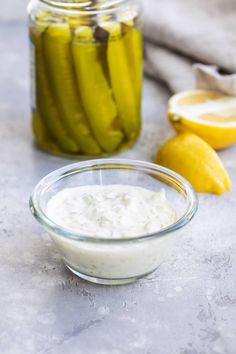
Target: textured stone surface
(188,306)
(14,10)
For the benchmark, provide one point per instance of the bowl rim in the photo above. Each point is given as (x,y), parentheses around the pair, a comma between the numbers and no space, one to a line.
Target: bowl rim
(63,172)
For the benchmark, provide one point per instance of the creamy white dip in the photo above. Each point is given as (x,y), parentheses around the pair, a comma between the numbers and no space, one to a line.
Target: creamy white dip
(111,211)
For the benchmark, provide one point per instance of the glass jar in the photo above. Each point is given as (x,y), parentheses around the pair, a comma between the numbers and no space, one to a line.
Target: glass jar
(86,70)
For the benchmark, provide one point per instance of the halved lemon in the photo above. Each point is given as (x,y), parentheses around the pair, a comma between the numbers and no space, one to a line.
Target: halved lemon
(209,114)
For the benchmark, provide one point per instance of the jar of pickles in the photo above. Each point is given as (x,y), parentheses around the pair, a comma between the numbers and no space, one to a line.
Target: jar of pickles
(86,70)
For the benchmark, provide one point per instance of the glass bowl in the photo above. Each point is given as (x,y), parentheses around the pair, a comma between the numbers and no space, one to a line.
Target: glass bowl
(121,260)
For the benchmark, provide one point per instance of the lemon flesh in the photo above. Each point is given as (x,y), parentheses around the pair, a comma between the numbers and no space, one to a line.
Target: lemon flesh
(209,114)
(191,157)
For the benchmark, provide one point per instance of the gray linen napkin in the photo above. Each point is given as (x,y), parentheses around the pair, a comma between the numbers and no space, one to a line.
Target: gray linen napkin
(179,33)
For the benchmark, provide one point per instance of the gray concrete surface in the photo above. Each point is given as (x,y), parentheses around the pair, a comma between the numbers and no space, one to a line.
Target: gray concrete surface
(13,10)
(188,306)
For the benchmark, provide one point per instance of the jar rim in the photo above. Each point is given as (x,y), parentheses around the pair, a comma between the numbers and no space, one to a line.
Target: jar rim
(83,3)
(91,7)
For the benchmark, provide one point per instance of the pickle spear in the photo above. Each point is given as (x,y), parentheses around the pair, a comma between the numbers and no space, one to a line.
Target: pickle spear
(134,52)
(95,90)
(41,134)
(121,80)
(60,70)
(44,98)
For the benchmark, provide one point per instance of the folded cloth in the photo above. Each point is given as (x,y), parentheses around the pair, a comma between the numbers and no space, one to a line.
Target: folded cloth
(207,77)
(179,33)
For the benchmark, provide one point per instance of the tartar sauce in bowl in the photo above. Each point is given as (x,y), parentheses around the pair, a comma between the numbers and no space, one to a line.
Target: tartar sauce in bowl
(111,211)
(113,221)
